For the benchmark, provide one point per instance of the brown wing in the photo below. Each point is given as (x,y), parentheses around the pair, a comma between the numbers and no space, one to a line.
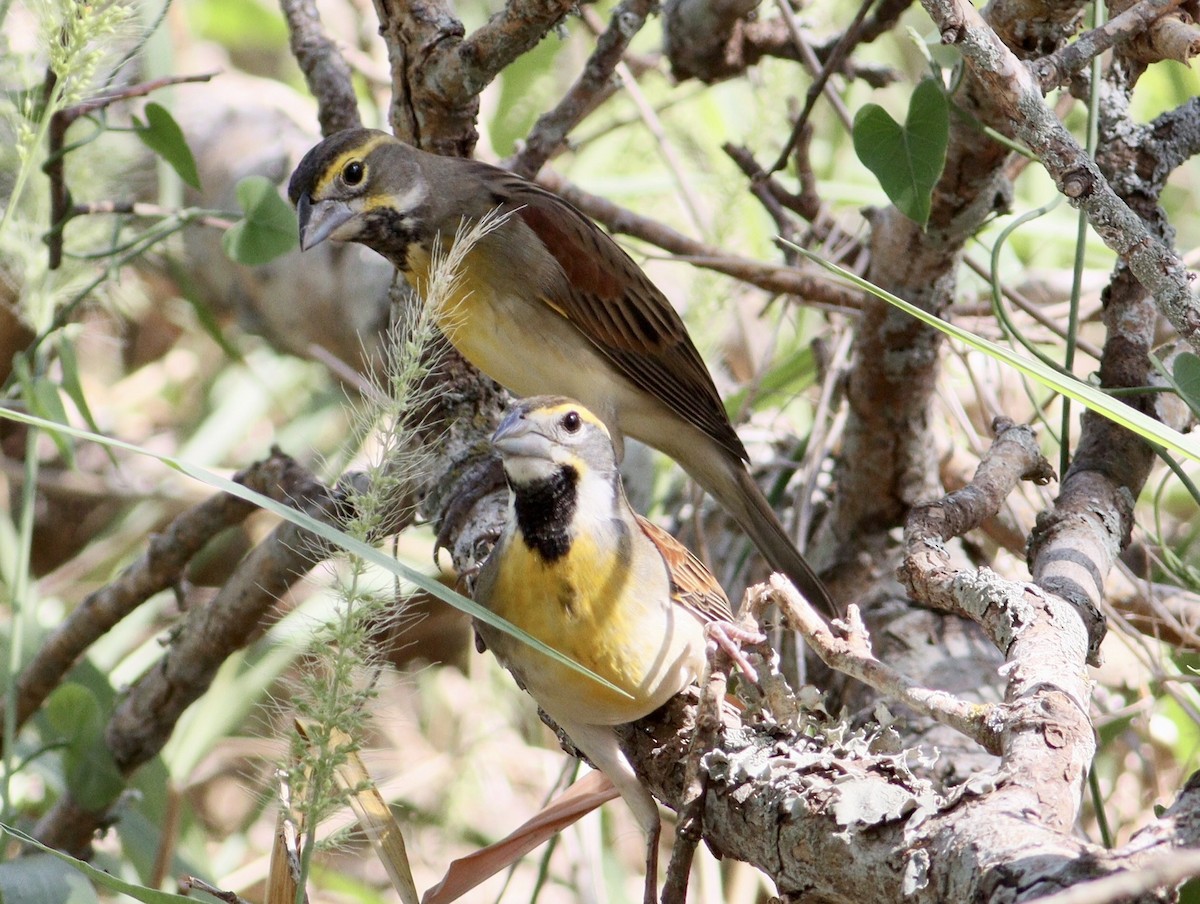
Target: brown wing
(616,306)
(692,585)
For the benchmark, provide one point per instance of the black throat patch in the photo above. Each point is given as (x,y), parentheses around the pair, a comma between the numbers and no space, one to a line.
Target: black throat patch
(388,232)
(544,511)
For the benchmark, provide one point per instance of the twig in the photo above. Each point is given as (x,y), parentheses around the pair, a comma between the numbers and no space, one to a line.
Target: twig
(60,196)
(772,277)
(766,188)
(325,69)
(926,570)
(1057,68)
(591,88)
(851,655)
(141,209)
(821,71)
(654,126)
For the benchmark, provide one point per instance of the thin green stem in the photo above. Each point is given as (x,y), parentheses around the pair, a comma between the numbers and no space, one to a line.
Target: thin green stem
(21,612)
(1006,322)
(1180,474)
(1098,806)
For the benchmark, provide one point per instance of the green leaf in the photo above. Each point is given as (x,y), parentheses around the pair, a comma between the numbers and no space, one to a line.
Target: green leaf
(203,310)
(907,160)
(75,716)
(269,227)
(42,878)
(161,133)
(1094,399)
(73,387)
(41,396)
(1186,371)
(99,877)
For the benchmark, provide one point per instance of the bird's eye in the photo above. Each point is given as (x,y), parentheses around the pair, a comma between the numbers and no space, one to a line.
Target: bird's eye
(571,422)
(352,172)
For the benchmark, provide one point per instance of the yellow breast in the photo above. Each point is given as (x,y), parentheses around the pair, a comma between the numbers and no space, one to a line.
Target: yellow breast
(586,606)
(474,312)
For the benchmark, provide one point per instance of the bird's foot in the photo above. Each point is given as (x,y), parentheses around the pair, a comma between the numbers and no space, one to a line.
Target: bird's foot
(730,637)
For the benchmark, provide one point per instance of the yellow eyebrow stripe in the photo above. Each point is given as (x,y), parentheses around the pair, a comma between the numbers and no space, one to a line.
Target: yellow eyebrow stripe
(359,152)
(583,413)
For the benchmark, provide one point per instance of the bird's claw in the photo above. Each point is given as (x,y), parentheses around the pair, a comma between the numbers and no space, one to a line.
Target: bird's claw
(729,637)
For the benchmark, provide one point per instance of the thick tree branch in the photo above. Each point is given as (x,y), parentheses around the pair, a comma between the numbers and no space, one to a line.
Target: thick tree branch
(927,571)
(438,71)
(851,655)
(1058,68)
(509,33)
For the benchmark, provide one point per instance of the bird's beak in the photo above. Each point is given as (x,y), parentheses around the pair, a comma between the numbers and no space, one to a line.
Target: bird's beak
(320,220)
(518,437)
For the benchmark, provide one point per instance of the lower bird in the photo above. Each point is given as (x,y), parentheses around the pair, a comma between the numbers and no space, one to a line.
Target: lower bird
(547,303)
(579,570)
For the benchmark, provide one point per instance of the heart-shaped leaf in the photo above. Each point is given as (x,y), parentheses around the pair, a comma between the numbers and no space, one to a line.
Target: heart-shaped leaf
(907,160)
(92,776)
(161,133)
(269,227)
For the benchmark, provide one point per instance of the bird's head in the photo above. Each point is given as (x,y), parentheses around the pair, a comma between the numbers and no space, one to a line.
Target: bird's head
(359,185)
(544,436)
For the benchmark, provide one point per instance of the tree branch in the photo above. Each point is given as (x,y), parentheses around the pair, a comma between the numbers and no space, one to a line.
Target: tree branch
(1023,112)
(159,568)
(1058,68)
(593,87)
(772,277)
(325,69)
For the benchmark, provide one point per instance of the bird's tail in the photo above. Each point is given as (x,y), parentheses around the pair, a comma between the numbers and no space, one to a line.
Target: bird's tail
(756,517)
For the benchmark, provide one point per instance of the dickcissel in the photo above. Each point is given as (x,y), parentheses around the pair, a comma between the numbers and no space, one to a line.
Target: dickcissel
(578,569)
(548,303)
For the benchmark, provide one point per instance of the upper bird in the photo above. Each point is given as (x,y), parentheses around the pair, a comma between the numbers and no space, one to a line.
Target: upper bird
(578,569)
(548,303)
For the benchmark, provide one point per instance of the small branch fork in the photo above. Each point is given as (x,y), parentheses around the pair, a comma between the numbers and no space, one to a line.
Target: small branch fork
(1056,69)
(926,570)
(851,655)
(61,209)
(846,647)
